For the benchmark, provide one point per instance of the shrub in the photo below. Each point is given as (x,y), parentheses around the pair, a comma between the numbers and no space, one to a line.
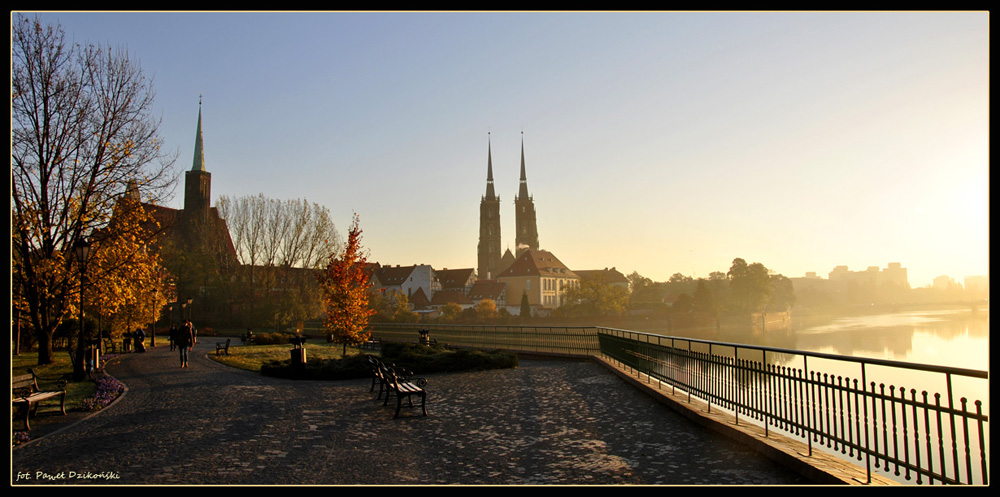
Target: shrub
(271,338)
(329,369)
(420,359)
(424,359)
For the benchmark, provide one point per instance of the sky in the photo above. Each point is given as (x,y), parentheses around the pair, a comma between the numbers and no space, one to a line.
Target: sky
(654,142)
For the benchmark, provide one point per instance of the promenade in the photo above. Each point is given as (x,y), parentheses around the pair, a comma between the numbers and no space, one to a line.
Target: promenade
(548,422)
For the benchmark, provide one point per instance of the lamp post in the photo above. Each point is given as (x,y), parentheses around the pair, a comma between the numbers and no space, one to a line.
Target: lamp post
(152,324)
(81,249)
(194,332)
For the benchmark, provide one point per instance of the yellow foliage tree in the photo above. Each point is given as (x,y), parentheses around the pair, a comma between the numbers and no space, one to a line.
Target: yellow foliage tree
(81,128)
(345,292)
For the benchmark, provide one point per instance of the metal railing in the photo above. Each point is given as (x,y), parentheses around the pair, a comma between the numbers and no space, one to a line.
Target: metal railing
(561,340)
(891,428)
(898,431)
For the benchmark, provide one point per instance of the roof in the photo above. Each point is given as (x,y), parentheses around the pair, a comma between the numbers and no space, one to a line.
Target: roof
(487,289)
(611,275)
(393,275)
(450,296)
(455,278)
(537,263)
(419,299)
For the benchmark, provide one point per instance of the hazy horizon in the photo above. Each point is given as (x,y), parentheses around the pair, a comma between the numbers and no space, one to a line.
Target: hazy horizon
(655,142)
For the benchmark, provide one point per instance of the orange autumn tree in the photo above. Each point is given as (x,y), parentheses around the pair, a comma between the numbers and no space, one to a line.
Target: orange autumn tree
(345,292)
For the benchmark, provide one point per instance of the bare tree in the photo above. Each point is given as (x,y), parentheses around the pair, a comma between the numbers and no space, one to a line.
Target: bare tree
(82,127)
(278,242)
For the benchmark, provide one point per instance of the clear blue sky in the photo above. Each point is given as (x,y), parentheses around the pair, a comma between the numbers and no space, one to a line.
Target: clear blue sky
(655,142)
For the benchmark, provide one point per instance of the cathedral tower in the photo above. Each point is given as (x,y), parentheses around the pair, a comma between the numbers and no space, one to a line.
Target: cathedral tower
(527,229)
(489,225)
(198,181)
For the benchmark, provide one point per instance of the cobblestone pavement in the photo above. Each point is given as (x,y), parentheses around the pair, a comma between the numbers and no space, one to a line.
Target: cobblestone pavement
(548,422)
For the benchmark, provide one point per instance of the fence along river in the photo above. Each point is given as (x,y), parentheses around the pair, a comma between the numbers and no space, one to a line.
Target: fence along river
(923,423)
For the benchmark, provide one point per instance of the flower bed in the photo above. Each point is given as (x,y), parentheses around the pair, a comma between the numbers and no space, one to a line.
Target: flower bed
(108,389)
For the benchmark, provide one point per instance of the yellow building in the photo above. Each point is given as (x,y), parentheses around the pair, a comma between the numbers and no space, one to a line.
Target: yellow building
(540,275)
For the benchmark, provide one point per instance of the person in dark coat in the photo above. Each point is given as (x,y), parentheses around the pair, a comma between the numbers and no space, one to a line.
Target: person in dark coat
(184,341)
(139,337)
(172,337)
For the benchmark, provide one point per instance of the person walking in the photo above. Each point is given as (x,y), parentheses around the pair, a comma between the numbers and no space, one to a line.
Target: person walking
(184,341)
(139,337)
(172,337)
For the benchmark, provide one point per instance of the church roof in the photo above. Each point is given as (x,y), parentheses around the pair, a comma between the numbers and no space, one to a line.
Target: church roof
(537,263)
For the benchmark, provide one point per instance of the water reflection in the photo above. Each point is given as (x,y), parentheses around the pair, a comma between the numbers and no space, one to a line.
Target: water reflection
(944,338)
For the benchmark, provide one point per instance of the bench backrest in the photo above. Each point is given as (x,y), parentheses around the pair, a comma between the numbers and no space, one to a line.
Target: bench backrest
(24,381)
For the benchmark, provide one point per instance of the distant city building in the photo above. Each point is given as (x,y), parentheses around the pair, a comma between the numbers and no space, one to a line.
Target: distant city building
(894,274)
(407,279)
(977,287)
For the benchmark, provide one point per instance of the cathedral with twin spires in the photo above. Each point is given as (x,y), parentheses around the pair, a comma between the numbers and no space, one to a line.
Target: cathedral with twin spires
(491,261)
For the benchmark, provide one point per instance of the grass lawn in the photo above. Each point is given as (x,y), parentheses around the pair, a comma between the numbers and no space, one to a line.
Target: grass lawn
(251,357)
(50,374)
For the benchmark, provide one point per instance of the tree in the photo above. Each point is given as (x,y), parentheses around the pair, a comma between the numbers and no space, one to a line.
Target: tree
(525,306)
(782,296)
(750,285)
(344,283)
(595,296)
(704,301)
(82,128)
(486,310)
(392,306)
(451,311)
(273,240)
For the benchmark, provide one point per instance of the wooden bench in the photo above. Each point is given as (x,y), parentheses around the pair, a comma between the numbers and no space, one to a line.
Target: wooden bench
(398,382)
(380,376)
(373,344)
(223,346)
(27,397)
(402,388)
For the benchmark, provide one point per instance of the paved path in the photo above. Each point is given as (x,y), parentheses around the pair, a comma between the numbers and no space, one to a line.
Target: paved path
(546,422)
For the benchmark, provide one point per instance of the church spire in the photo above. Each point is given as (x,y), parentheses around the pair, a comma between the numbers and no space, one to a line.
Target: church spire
(527,228)
(199,152)
(490,193)
(523,190)
(489,225)
(198,181)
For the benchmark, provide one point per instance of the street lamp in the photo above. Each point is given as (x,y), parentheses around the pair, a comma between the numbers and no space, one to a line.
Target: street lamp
(81,249)
(194,333)
(152,326)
